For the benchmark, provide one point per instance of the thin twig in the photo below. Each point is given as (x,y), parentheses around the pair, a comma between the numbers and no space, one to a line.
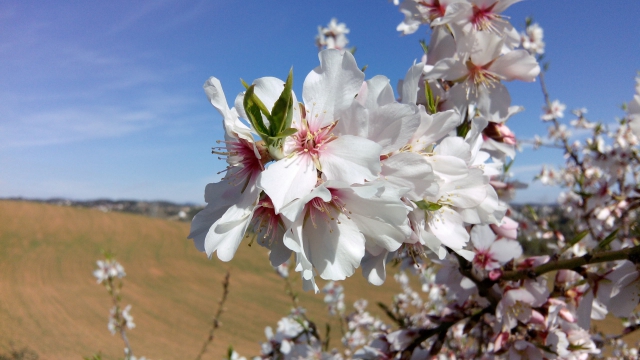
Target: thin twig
(288,288)
(216,319)
(626,331)
(441,330)
(120,323)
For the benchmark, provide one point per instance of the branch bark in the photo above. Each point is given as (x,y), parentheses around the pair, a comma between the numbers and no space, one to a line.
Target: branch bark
(632,254)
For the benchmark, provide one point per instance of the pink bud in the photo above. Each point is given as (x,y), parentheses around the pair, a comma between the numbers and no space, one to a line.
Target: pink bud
(500,133)
(536,317)
(567,315)
(495,274)
(501,339)
(507,228)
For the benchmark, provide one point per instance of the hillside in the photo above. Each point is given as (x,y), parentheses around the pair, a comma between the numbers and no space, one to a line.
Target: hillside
(50,301)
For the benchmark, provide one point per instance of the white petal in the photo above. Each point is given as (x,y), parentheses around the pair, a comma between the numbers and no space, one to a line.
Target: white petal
(517,64)
(448,69)
(219,197)
(279,252)
(454,146)
(447,226)
(487,47)
(373,268)
(504,250)
(293,210)
(226,234)
(411,84)
(393,125)
(410,24)
(583,312)
(288,179)
(466,254)
(232,125)
(213,89)
(441,46)
(502,5)
(378,213)
(627,295)
(203,221)
(494,103)
(433,243)
(354,121)
(335,248)
(466,192)
(268,90)
(379,92)
(351,159)
(333,85)
(450,168)
(410,170)
(434,127)
(482,237)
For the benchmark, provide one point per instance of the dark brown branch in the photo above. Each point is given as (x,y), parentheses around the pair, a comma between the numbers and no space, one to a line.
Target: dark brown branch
(485,289)
(485,286)
(441,330)
(632,254)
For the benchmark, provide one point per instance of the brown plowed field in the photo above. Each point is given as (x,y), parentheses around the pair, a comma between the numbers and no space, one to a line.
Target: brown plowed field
(50,302)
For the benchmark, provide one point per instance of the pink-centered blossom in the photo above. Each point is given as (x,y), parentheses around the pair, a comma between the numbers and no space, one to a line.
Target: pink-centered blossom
(485,66)
(555,111)
(221,225)
(327,91)
(330,228)
(492,253)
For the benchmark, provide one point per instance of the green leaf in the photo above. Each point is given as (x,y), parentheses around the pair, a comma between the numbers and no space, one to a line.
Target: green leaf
(528,21)
(584,194)
(246,86)
(424,46)
(608,239)
(578,347)
(577,238)
(546,348)
(429,206)
(282,112)
(284,133)
(251,105)
(532,212)
(431,102)
(463,129)
(364,68)
(507,166)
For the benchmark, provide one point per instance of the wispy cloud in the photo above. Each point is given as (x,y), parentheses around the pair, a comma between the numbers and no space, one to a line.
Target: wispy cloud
(74,124)
(180,13)
(137,13)
(79,91)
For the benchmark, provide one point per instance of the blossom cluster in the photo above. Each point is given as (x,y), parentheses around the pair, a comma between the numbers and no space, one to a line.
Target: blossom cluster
(108,271)
(333,36)
(351,175)
(355,176)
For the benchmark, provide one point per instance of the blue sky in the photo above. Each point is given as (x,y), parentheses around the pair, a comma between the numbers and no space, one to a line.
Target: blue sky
(104,99)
